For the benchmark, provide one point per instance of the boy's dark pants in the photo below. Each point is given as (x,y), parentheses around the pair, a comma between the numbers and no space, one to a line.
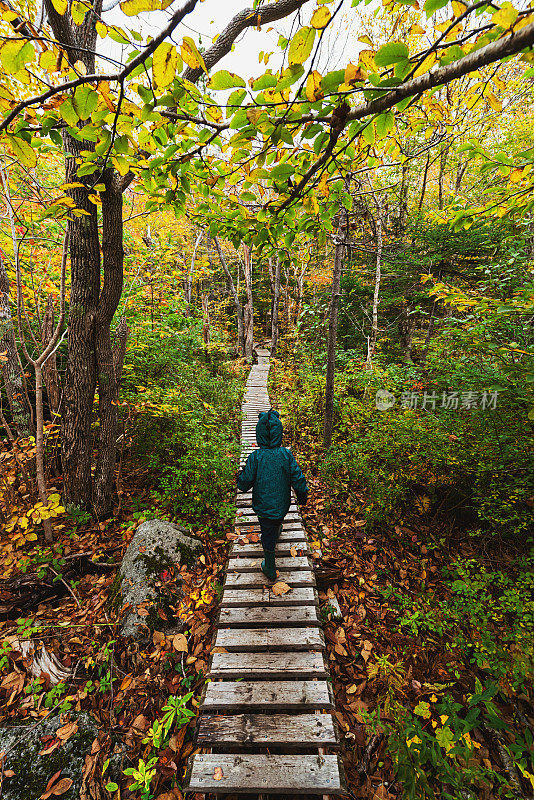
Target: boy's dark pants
(270,531)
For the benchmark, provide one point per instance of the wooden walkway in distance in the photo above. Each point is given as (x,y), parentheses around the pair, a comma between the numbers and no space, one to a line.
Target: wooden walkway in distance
(266,718)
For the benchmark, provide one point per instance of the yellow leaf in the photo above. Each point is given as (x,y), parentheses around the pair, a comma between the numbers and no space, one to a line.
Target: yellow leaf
(429,61)
(25,153)
(314,90)
(164,63)
(353,73)
(493,101)
(60,6)
(505,16)
(458,8)
(23,522)
(417,29)
(191,55)
(321,17)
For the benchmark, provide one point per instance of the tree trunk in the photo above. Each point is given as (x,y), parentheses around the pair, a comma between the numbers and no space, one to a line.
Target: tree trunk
(403,200)
(332,330)
(275,308)
(50,373)
(249,307)
(235,296)
(119,350)
(80,378)
(39,448)
(378,275)
(441,178)
(406,325)
(188,280)
(108,394)
(425,176)
(11,369)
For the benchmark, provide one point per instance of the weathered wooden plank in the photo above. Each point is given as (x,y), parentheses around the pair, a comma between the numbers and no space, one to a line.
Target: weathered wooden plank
(250,580)
(268,774)
(252,550)
(292,525)
(270,616)
(268,666)
(257,639)
(259,695)
(299,730)
(284,563)
(264,596)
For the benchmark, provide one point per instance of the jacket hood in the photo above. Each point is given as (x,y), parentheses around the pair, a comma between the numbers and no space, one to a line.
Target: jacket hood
(269,430)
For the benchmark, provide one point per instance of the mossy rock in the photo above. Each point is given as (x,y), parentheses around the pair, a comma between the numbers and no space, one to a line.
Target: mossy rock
(23,745)
(156,546)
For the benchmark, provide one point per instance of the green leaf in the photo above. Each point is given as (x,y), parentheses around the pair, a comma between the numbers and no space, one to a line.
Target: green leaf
(390,53)
(368,134)
(301,45)
(265,81)
(289,76)
(68,113)
(85,101)
(225,80)
(15,54)
(384,123)
(22,150)
(164,64)
(333,80)
(78,11)
(434,5)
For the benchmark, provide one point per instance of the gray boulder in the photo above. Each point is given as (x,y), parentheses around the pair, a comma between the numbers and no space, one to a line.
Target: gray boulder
(155,547)
(32,771)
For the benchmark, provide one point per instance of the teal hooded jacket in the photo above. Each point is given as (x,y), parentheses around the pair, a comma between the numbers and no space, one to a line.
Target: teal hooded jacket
(271,471)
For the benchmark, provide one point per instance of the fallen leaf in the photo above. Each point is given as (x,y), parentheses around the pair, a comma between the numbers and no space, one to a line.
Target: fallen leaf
(218,774)
(66,731)
(293,551)
(281,588)
(142,611)
(126,681)
(179,642)
(50,748)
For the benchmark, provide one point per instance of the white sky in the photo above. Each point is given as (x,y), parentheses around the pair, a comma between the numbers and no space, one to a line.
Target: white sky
(340,44)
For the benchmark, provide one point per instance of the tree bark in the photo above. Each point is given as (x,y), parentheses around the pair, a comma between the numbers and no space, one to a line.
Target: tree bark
(425,176)
(188,280)
(235,296)
(406,325)
(108,392)
(9,361)
(80,378)
(378,276)
(50,373)
(249,306)
(403,200)
(332,330)
(442,165)
(275,307)
(119,350)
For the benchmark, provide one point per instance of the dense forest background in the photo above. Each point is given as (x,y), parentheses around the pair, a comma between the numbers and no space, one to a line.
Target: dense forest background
(366,212)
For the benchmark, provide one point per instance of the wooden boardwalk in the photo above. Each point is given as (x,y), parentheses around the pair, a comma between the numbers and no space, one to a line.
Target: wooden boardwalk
(266,718)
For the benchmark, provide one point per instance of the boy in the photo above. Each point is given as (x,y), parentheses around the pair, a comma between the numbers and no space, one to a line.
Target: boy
(271,470)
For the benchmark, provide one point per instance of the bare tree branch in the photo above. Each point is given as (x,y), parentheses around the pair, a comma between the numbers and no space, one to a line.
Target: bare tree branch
(247,18)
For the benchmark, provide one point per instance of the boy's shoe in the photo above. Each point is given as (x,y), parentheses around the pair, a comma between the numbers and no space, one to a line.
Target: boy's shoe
(268,565)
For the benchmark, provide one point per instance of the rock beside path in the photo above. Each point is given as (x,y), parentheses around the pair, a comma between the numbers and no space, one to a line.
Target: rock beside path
(157,546)
(27,770)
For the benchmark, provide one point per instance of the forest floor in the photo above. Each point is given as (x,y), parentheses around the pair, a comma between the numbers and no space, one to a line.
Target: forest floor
(383,673)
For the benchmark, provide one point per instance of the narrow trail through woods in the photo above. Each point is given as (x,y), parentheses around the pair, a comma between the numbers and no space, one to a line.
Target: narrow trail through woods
(266,719)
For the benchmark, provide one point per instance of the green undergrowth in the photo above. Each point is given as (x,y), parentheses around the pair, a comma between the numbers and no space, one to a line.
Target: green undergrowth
(473,462)
(187,411)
